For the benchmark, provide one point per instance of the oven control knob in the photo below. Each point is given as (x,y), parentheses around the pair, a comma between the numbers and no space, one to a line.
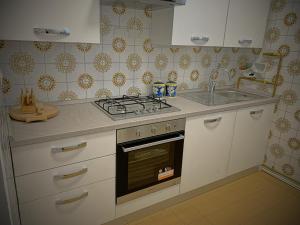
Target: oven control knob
(138,133)
(153,130)
(168,127)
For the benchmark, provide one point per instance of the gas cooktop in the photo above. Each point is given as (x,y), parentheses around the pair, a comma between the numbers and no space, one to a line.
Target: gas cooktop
(126,107)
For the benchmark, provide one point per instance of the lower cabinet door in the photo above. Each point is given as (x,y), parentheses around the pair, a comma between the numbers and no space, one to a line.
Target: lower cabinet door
(206,149)
(250,137)
(89,205)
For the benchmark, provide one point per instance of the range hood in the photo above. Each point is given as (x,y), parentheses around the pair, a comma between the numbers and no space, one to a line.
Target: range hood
(140,4)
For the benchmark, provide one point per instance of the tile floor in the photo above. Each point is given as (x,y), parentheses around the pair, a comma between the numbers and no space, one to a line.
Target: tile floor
(258,199)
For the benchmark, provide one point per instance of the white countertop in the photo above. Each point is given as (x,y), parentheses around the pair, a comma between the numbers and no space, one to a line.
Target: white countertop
(84,118)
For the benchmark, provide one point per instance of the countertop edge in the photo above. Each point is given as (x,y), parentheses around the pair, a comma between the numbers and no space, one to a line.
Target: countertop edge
(239,105)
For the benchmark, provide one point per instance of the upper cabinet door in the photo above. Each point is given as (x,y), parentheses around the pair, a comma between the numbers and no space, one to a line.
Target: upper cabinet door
(246,23)
(80,17)
(199,22)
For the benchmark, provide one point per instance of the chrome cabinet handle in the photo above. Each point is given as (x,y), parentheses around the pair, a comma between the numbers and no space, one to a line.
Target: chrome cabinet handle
(70,175)
(256,112)
(199,39)
(245,41)
(180,137)
(69,148)
(48,31)
(71,200)
(213,120)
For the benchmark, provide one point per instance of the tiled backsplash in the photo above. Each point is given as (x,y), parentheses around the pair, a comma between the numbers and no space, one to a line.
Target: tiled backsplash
(124,63)
(283,33)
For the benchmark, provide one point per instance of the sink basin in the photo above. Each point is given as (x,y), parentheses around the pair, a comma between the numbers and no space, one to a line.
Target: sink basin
(220,97)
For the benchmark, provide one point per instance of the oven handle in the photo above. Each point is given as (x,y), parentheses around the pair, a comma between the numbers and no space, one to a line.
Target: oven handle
(180,137)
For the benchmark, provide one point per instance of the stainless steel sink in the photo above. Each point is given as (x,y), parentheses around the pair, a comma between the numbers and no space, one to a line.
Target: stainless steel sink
(219,97)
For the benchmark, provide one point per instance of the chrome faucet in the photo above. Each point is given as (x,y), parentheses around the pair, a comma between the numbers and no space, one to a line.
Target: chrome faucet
(213,77)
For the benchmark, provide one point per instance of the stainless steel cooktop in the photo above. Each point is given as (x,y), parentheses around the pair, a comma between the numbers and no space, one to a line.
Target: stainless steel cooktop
(126,107)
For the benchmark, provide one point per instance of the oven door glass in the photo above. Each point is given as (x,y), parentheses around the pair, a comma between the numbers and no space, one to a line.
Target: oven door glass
(149,162)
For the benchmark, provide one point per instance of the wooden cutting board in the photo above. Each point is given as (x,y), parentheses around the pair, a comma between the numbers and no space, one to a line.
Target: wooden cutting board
(48,112)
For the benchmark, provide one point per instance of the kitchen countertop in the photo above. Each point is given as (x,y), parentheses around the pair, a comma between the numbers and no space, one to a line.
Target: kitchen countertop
(84,118)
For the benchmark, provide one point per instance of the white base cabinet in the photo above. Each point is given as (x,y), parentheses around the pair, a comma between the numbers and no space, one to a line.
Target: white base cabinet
(90,205)
(250,138)
(219,145)
(206,149)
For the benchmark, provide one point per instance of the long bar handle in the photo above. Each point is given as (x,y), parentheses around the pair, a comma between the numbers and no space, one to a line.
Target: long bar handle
(70,148)
(213,120)
(180,137)
(70,175)
(256,112)
(71,200)
(245,41)
(199,39)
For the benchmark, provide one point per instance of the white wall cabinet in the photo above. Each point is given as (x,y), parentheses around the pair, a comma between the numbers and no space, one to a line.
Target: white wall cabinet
(206,149)
(198,18)
(246,23)
(250,138)
(82,18)
(234,23)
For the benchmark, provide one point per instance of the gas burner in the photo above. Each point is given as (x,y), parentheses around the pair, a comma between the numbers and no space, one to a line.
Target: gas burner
(133,106)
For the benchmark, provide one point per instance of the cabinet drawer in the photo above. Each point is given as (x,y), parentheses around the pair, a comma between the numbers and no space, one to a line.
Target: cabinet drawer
(38,157)
(89,205)
(40,184)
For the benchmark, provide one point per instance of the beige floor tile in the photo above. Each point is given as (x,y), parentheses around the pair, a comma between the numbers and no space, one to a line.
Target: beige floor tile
(258,199)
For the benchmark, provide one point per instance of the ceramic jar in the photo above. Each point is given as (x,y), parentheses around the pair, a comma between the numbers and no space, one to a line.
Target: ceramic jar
(158,89)
(171,87)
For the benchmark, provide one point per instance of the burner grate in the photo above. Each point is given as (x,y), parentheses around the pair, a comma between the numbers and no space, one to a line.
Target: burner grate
(130,104)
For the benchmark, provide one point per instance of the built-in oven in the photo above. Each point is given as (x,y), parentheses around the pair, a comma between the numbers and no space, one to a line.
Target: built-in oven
(149,158)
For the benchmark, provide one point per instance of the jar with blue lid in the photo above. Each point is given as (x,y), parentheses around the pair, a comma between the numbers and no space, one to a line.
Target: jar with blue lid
(171,87)
(158,89)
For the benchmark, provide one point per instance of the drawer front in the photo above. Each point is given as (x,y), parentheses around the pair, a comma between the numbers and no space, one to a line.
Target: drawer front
(89,205)
(40,184)
(38,157)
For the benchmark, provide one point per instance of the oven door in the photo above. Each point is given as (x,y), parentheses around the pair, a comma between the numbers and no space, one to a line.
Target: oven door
(148,165)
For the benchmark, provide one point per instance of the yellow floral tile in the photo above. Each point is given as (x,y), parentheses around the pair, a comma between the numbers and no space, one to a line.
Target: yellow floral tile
(119,8)
(42,46)
(134,62)
(21,63)
(103,93)
(161,61)
(134,91)
(46,82)
(148,45)
(147,78)
(84,47)
(194,75)
(102,62)
(119,79)
(6,86)
(85,81)
(65,63)
(119,44)
(172,76)
(148,11)
(105,25)
(67,96)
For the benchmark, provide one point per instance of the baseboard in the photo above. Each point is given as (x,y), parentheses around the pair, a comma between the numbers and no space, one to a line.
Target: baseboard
(180,198)
(279,176)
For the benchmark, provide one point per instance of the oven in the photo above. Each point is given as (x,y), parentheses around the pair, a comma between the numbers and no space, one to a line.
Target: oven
(149,158)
